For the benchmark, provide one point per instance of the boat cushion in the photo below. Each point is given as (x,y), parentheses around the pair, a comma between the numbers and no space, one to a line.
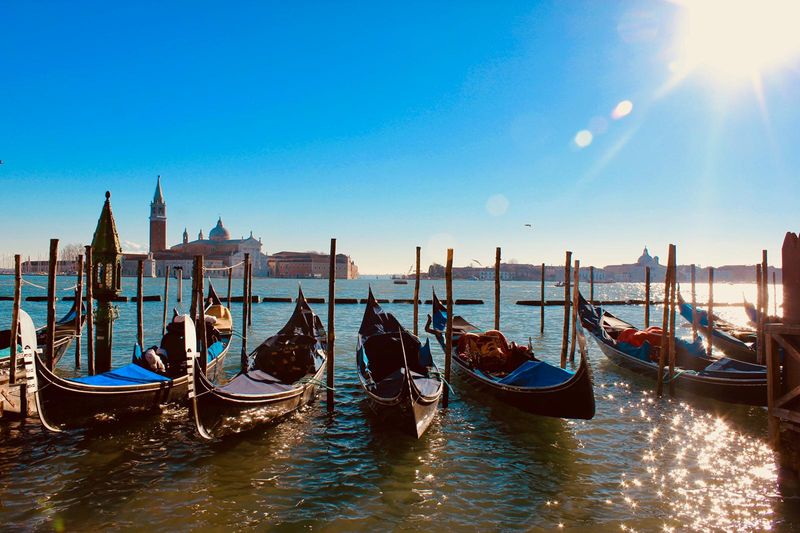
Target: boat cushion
(537,374)
(426,386)
(215,349)
(131,374)
(641,352)
(256,383)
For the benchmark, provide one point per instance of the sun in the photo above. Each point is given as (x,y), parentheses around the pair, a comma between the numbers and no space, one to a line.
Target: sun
(737,38)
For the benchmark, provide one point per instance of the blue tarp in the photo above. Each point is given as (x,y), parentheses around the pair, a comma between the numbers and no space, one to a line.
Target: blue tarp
(642,352)
(536,374)
(702,316)
(131,374)
(215,349)
(439,320)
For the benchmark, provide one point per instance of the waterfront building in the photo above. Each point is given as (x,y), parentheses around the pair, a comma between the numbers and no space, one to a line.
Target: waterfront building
(310,265)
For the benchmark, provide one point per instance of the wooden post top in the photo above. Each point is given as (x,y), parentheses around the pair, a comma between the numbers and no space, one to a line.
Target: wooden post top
(791,278)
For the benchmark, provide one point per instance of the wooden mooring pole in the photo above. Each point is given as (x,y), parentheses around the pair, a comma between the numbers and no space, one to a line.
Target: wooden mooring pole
(89,312)
(764,304)
(230,286)
(244,362)
(662,354)
(695,316)
(166,303)
(710,347)
(646,297)
(140,303)
(576,280)
(179,269)
(448,333)
(541,304)
(497,289)
(78,309)
(416,292)
(332,326)
(775,293)
(250,292)
(759,311)
(12,370)
(193,292)
(672,301)
(51,304)
(201,312)
(565,332)
(591,285)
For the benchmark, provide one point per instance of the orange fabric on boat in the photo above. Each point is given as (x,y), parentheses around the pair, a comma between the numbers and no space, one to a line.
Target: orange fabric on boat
(637,337)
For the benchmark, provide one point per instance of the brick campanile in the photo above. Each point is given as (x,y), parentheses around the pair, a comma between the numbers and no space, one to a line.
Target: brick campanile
(158,220)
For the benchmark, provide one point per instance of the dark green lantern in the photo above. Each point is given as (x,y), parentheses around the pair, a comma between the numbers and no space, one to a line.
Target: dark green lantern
(106,256)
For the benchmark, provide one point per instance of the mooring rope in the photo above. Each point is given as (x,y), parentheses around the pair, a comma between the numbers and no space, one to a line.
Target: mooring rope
(678,373)
(32,284)
(210,269)
(315,381)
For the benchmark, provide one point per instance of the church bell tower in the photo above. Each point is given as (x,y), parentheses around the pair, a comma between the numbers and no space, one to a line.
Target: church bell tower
(158,220)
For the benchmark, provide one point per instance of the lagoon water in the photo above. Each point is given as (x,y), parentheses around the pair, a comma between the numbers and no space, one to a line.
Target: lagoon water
(642,464)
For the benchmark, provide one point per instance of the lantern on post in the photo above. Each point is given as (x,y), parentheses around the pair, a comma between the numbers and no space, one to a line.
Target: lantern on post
(106,283)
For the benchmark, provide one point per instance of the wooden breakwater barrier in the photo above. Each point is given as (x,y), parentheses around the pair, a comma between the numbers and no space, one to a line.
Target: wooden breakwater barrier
(560,303)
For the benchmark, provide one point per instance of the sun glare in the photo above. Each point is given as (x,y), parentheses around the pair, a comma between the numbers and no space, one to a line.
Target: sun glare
(737,38)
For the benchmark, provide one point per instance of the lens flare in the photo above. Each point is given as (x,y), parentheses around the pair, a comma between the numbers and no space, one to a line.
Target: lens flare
(622,109)
(583,138)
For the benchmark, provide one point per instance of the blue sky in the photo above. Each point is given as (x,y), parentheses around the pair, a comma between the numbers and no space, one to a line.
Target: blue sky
(393,125)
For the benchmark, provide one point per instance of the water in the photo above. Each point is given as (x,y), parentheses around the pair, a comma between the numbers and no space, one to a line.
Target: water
(641,464)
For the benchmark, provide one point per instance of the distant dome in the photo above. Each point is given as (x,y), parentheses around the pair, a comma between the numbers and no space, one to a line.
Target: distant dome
(219,233)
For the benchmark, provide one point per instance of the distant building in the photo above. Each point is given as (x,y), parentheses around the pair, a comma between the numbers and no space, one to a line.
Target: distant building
(310,265)
(636,272)
(219,250)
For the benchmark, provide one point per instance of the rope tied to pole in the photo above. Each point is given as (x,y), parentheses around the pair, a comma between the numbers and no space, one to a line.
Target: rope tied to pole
(25,281)
(210,269)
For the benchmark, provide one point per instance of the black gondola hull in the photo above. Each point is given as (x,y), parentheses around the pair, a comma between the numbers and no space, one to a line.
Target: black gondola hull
(410,411)
(572,399)
(68,404)
(218,414)
(740,391)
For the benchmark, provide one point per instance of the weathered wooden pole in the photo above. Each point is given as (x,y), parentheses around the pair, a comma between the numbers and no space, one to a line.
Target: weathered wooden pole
(646,297)
(89,313)
(193,292)
(201,312)
(140,303)
(541,304)
(12,370)
(672,303)
(416,293)
(448,334)
(710,347)
(764,305)
(179,269)
(78,309)
(244,355)
(591,285)
(230,286)
(331,325)
(695,316)
(497,288)
(565,333)
(166,303)
(51,304)
(775,293)
(574,337)
(759,311)
(663,349)
(250,293)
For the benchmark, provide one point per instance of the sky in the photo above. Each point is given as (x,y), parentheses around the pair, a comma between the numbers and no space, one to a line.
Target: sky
(607,126)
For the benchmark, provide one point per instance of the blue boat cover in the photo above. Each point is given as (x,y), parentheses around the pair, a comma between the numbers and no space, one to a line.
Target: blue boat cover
(131,374)
(686,312)
(536,374)
(439,320)
(642,352)
(215,349)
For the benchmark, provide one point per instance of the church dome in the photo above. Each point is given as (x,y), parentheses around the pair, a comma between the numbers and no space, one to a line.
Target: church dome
(219,232)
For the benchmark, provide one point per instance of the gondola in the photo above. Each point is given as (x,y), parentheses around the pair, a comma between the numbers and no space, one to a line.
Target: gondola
(286,372)
(10,399)
(723,379)
(76,402)
(533,385)
(65,333)
(737,343)
(396,371)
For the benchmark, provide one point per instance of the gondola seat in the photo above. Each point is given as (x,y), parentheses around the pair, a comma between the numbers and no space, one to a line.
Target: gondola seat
(131,374)
(256,383)
(537,374)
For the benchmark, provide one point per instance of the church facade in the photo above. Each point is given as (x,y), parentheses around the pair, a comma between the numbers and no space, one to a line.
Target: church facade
(219,249)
